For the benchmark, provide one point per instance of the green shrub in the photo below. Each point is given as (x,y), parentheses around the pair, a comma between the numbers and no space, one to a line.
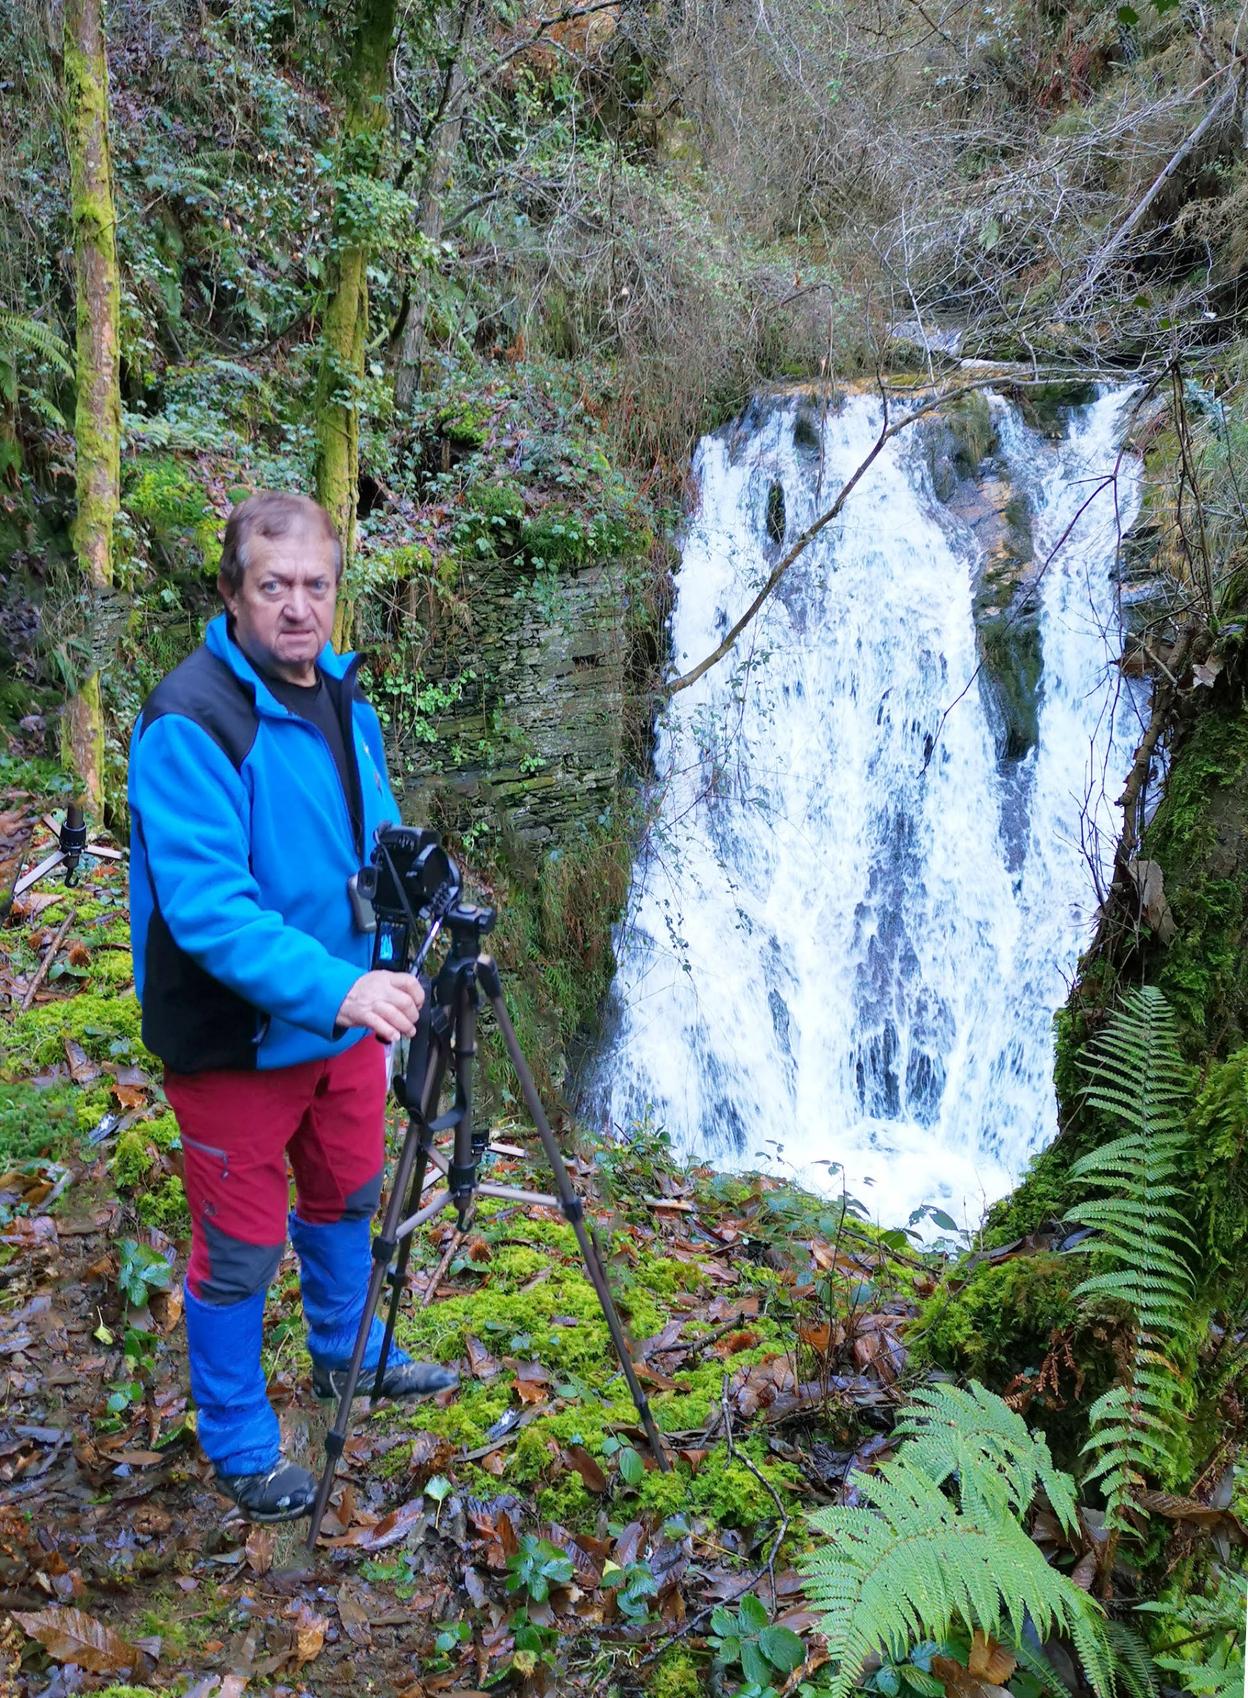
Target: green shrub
(161,494)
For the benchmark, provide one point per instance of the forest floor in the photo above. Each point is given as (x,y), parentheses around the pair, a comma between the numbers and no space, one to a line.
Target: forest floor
(515,1531)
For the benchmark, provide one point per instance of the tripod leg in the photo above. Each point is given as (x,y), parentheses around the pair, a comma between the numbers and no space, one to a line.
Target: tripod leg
(399,1274)
(430,1092)
(571,1205)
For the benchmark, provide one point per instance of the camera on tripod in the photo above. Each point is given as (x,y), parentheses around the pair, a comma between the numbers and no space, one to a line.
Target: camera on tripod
(409,885)
(412,885)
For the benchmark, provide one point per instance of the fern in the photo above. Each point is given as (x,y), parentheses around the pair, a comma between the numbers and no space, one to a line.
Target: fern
(1133,1665)
(1138,1228)
(27,335)
(1205,1638)
(969,1432)
(915,1561)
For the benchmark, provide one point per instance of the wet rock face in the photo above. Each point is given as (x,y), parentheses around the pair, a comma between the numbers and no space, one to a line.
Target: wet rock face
(969,478)
(533,745)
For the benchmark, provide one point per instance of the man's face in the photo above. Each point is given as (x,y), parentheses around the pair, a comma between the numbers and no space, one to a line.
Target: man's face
(284,612)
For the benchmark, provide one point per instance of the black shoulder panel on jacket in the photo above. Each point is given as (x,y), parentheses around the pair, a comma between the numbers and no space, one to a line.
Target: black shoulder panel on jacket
(203,689)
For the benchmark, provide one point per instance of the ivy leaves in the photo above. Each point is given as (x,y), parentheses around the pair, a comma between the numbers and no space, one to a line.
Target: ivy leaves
(748,1636)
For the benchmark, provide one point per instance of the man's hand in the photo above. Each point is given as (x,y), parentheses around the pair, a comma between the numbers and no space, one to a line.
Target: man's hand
(387,1003)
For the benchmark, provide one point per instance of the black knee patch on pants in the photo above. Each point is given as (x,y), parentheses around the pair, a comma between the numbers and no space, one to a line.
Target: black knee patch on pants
(238,1270)
(362,1204)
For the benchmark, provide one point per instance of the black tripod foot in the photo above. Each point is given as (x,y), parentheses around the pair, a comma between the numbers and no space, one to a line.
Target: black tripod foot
(408,1380)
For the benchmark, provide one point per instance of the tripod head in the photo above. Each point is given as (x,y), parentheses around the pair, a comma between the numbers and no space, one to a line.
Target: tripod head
(409,886)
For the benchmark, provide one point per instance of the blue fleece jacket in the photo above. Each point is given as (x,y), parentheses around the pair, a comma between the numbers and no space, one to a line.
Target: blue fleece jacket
(242,843)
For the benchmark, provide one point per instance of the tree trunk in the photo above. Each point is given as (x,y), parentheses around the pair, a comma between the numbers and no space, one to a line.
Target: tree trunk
(97,418)
(443,141)
(345,327)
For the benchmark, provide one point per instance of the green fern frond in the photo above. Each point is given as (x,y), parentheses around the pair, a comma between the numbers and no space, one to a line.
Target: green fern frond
(1205,1634)
(999,1462)
(29,336)
(1207,1678)
(1138,1228)
(910,1562)
(1134,1666)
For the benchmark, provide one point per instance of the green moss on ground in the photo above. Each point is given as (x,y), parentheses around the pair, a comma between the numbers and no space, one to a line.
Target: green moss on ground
(137,1152)
(139,1173)
(106,1025)
(112,967)
(676,1675)
(37,1122)
(534,1303)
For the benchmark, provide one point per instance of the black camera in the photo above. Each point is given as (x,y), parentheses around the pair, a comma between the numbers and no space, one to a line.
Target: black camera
(409,884)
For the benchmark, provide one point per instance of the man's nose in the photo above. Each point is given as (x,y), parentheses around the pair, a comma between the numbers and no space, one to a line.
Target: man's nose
(298,604)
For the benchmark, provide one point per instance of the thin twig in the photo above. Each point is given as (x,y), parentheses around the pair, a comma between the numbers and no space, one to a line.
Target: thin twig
(768,1567)
(427,1296)
(48,959)
(748,1462)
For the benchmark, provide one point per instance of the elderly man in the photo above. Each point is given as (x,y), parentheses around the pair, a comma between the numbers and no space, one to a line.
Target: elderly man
(257,780)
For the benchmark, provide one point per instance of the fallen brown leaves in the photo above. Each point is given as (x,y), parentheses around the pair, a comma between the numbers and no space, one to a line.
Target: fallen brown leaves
(73,1636)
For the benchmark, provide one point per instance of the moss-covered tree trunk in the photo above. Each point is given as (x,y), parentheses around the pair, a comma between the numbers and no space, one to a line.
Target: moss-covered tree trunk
(97,420)
(443,139)
(345,326)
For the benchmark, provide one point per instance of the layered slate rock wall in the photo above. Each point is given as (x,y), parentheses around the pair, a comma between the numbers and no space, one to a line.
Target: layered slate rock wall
(534,744)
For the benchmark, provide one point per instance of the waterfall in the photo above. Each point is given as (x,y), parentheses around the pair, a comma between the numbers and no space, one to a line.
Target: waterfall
(853,918)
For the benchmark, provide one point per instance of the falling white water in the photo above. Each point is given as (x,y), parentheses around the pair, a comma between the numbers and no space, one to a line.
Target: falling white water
(839,950)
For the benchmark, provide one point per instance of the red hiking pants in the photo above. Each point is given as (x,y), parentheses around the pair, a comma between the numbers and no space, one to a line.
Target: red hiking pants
(241,1129)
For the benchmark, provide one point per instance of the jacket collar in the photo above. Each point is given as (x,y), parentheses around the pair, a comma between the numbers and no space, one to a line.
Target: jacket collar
(218,641)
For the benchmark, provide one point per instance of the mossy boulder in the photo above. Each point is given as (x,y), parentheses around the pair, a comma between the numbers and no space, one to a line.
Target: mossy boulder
(960,447)
(463,423)
(956,441)
(1220,1135)
(1041,1196)
(1046,407)
(1000,1320)
(1013,666)
(1199,837)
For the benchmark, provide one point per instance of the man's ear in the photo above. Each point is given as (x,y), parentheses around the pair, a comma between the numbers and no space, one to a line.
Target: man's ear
(226,591)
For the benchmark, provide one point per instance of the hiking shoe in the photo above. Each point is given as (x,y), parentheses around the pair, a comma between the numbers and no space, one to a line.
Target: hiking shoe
(402,1379)
(285,1493)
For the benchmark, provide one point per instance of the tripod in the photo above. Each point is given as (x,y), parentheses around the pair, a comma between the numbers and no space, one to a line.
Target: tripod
(445,1041)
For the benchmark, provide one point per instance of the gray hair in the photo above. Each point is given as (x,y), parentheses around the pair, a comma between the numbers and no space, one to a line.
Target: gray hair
(271,514)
